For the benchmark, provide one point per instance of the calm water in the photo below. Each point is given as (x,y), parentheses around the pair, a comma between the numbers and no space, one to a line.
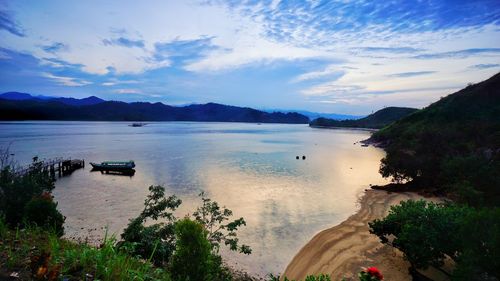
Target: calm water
(249,168)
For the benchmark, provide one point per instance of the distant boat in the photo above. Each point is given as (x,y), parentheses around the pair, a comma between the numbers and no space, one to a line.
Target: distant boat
(113,166)
(137,124)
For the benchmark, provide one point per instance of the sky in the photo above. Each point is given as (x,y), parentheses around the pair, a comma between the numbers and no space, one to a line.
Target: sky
(335,56)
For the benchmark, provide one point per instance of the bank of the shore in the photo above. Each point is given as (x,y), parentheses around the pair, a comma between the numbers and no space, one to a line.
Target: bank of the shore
(343,250)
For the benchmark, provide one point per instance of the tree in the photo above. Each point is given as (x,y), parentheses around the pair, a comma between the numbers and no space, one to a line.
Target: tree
(219,228)
(480,253)
(425,232)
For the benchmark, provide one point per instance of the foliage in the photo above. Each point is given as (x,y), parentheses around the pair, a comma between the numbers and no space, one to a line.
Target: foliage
(52,258)
(17,190)
(219,230)
(191,259)
(42,211)
(480,256)
(156,241)
(452,146)
(427,233)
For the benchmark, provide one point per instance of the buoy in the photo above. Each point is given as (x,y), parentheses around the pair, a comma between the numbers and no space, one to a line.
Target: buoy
(297,157)
(303,157)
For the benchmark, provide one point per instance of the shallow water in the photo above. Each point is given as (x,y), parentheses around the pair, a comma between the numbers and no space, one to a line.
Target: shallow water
(250,168)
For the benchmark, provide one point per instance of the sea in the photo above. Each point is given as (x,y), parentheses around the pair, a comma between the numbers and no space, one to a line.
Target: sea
(251,169)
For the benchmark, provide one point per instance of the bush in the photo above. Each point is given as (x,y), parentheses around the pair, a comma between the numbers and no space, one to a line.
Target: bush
(43,212)
(157,241)
(16,191)
(191,259)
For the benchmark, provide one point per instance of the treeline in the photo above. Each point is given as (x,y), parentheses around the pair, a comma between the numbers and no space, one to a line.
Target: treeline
(139,111)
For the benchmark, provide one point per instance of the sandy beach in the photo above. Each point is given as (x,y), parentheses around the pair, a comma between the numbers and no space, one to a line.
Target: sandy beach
(342,251)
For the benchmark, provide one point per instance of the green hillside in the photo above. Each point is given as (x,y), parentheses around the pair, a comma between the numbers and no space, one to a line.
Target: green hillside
(452,146)
(375,120)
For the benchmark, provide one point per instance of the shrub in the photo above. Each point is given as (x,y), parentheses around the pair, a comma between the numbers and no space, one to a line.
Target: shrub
(16,191)
(191,259)
(155,242)
(43,212)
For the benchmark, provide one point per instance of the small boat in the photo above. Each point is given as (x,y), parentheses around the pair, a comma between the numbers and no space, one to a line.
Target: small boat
(113,166)
(137,124)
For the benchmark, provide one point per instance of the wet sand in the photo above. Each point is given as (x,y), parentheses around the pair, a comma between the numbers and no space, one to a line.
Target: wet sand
(342,251)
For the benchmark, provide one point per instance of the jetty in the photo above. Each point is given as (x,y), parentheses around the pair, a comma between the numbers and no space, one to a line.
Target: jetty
(60,165)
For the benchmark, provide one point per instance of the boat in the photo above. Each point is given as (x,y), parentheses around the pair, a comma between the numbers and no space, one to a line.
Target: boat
(114,165)
(137,124)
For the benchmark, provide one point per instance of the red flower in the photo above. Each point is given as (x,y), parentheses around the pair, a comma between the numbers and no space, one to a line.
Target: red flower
(373,271)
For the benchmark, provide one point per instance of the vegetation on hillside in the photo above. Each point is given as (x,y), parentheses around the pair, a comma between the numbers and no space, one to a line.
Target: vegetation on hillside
(55,109)
(375,120)
(429,233)
(451,147)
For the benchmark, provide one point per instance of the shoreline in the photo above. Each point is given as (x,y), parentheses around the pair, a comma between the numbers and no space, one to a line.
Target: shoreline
(343,250)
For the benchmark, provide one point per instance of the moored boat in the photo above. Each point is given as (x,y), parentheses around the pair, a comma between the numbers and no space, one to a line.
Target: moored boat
(113,165)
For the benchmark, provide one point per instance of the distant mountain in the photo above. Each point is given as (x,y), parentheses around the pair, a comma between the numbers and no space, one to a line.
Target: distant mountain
(452,146)
(315,115)
(85,101)
(375,120)
(69,101)
(16,96)
(95,109)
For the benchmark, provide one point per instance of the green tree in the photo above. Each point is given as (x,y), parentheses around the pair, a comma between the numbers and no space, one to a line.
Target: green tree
(219,228)
(425,232)
(191,259)
(480,253)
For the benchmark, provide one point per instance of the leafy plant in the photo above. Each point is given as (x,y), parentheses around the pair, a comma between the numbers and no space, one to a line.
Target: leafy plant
(17,190)
(155,242)
(219,228)
(43,212)
(191,259)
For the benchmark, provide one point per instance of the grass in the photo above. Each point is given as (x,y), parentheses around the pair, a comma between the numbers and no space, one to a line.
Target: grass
(36,252)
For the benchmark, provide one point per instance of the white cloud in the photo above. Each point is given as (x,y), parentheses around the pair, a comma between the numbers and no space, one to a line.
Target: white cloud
(128,91)
(66,81)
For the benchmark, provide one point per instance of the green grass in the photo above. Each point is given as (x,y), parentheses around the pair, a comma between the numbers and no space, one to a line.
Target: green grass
(18,249)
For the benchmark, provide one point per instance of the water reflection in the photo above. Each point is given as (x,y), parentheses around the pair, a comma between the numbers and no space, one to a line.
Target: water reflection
(128,173)
(249,168)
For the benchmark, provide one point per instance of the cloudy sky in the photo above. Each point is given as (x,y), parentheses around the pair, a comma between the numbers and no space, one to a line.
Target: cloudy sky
(343,56)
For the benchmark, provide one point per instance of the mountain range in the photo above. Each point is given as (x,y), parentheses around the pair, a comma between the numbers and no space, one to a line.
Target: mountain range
(376,120)
(22,106)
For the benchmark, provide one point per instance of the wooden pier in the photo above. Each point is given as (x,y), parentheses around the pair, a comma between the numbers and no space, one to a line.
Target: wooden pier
(60,166)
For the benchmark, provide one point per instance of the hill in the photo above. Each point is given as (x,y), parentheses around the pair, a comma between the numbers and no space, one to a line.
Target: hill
(95,109)
(69,101)
(452,146)
(375,120)
(315,115)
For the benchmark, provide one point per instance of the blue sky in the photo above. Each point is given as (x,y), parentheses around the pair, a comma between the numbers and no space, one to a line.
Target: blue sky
(342,56)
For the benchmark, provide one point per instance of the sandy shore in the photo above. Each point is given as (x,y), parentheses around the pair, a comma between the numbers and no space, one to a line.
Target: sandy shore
(343,250)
